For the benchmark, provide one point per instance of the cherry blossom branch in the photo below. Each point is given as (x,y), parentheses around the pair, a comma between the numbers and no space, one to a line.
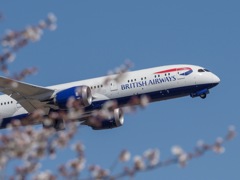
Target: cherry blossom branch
(24,73)
(12,41)
(151,158)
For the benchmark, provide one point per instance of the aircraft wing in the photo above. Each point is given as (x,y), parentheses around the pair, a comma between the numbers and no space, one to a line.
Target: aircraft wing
(30,96)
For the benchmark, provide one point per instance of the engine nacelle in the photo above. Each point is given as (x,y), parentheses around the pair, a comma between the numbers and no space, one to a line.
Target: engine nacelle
(80,93)
(116,121)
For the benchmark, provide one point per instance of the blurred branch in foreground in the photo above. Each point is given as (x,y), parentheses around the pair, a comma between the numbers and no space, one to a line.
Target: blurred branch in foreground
(42,143)
(31,145)
(151,158)
(24,73)
(12,41)
(148,161)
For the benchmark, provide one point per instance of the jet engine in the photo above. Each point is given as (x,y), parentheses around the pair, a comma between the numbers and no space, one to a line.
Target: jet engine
(116,121)
(80,93)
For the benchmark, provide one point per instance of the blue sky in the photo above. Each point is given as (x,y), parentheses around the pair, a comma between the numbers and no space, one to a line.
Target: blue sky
(94,37)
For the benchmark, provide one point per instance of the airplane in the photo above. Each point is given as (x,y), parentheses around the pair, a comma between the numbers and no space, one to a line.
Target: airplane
(21,100)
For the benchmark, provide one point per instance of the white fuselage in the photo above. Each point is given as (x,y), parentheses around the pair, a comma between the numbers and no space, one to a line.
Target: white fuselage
(158,83)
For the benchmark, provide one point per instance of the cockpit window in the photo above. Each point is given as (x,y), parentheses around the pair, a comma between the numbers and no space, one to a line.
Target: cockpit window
(200,70)
(206,70)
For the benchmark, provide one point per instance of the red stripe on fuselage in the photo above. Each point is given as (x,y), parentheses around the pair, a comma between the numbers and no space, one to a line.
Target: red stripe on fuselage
(173,70)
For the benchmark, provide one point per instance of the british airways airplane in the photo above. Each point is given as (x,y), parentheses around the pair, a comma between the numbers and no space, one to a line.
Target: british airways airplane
(21,99)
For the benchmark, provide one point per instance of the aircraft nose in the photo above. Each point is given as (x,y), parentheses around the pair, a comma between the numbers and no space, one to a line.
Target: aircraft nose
(216,79)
